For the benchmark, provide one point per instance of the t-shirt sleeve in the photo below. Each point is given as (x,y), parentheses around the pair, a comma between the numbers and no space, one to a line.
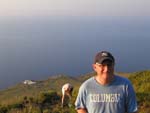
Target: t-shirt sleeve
(131,103)
(81,98)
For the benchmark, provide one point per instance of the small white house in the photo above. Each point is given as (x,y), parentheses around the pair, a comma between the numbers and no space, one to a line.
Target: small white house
(29,82)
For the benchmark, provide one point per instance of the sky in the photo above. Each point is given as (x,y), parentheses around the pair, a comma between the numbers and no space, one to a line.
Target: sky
(75,8)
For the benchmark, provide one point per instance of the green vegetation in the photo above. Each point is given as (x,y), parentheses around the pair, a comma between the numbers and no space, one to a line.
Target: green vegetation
(45,96)
(141,83)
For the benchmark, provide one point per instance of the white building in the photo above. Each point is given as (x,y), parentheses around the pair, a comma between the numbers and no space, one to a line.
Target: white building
(29,82)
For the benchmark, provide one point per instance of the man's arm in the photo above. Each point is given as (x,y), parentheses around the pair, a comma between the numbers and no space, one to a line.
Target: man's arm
(131,102)
(81,110)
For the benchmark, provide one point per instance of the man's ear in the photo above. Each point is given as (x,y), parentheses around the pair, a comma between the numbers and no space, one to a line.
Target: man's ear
(94,67)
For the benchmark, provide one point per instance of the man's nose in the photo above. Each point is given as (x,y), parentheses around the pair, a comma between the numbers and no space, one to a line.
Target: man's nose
(106,67)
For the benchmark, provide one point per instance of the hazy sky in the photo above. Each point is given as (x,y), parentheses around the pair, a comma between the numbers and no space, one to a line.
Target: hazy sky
(74,8)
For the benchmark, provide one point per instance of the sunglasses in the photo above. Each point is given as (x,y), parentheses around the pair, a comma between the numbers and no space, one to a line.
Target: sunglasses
(109,64)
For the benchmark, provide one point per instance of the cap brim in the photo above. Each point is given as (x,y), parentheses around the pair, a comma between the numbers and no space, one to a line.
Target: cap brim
(105,58)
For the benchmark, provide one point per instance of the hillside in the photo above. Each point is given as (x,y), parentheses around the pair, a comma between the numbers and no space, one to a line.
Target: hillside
(20,90)
(48,93)
(141,83)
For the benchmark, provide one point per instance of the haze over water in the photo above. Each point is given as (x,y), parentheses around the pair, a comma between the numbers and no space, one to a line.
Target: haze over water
(36,48)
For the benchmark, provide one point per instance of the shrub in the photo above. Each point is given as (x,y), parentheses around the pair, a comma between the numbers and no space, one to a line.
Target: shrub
(3,109)
(48,97)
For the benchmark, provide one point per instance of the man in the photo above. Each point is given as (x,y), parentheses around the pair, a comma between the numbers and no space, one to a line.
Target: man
(106,92)
(66,90)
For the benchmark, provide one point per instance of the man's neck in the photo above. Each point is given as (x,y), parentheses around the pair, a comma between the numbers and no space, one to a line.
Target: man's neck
(104,81)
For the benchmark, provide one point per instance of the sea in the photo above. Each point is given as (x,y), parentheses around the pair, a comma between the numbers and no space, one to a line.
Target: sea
(35,48)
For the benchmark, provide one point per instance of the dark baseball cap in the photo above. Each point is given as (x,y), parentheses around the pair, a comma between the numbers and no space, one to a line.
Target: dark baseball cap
(102,56)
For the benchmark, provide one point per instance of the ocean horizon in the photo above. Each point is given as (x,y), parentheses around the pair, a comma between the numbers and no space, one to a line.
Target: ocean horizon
(36,48)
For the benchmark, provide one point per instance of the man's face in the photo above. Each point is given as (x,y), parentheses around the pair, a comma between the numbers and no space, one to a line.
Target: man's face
(107,67)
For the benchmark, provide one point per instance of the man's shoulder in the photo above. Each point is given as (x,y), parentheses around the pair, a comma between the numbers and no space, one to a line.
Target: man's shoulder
(122,79)
(91,79)
(88,82)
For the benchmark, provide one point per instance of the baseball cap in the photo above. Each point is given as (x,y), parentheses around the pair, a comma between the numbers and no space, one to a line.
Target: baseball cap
(102,56)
